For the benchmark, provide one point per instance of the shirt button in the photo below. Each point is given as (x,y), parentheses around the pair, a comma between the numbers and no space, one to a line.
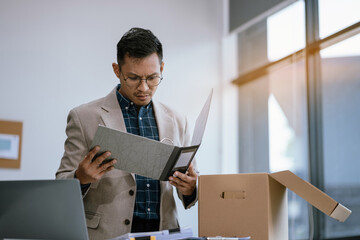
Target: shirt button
(148,209)
(131,192)
(127,221)
(148,185)
(126,108)
(131,103)
(140,118)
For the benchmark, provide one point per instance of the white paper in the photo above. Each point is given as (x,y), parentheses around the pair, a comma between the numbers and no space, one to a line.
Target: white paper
(181,233)
(9,146)
(201,122)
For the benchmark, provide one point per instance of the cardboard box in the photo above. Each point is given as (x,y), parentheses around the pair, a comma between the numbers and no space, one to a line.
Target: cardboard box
(240,205)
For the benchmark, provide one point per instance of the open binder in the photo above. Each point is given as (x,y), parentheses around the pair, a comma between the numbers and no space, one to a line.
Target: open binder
(147,157)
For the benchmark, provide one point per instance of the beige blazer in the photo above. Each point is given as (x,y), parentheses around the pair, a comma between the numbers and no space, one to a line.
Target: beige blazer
(109,202)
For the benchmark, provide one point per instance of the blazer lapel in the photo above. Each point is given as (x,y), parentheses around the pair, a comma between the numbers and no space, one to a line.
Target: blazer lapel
(111,112)
(112,115)
(165,124)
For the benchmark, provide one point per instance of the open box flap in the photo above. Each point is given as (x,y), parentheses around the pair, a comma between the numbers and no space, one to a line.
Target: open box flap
(313,195)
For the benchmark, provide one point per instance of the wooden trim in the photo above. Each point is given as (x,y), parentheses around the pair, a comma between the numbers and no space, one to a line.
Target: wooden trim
(13,128)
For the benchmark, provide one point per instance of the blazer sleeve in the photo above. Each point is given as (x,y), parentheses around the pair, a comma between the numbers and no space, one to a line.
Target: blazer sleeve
(75,147)
(186,142)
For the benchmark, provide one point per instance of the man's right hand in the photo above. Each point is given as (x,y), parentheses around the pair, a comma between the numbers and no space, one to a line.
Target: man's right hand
(91,171)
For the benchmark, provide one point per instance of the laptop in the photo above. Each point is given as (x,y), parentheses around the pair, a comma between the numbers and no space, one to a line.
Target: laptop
(42,209)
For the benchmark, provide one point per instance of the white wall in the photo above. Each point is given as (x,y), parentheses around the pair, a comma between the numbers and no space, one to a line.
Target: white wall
(55,55)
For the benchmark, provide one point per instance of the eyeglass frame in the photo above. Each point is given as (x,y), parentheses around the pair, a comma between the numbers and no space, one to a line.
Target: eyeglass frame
(142,79)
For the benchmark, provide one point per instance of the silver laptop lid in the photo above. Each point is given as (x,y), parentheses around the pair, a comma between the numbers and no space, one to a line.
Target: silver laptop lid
(42,209)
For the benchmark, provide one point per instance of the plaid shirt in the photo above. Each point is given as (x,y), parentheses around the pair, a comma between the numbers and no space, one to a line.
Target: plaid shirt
(143,123)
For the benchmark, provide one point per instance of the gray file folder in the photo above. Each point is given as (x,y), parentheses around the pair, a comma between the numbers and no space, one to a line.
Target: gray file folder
(147,157)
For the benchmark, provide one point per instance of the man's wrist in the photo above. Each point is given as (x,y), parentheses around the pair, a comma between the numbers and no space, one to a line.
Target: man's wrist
(83,186)
(189,198)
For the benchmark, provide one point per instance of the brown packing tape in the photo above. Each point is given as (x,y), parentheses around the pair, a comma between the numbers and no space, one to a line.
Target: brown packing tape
(233,195)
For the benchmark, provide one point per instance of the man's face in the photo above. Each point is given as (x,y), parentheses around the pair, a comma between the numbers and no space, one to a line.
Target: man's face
(140,94)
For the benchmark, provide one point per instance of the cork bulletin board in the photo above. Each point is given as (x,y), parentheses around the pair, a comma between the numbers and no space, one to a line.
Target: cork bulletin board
(10,144)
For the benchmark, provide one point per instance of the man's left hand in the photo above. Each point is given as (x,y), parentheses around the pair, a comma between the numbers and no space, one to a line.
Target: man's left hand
(185,183)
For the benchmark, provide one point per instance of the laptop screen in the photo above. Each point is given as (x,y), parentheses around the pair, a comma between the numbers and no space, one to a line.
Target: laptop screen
(42,209)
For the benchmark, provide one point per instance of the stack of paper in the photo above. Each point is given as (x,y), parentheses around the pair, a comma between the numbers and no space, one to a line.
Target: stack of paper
(179,233)
(228,238)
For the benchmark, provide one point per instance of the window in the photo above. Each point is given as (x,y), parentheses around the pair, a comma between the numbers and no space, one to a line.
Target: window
(335,16)
(272,106)
(286,31)
(273,132)
(340,74)
(284,80)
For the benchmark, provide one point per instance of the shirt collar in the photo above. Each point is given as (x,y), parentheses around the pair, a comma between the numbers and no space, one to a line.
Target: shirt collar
(127,104)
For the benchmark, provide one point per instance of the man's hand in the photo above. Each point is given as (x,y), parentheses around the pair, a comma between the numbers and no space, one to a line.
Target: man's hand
(186,183)
(91,171)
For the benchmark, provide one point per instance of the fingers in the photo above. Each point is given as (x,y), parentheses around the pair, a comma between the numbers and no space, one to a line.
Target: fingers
(107,166)
(181,177)
(185,188)
(104,168)
(99,160)
(188,176)
(90,169)
(185,183)
(90,156)
(192,171)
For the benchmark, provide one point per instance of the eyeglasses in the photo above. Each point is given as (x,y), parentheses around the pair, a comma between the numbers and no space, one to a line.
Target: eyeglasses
(135,81)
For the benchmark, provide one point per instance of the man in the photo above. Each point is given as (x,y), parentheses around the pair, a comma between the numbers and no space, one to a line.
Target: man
(117,202)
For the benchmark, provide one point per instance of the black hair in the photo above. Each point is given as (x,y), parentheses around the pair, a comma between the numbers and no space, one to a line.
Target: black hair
(138,43)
